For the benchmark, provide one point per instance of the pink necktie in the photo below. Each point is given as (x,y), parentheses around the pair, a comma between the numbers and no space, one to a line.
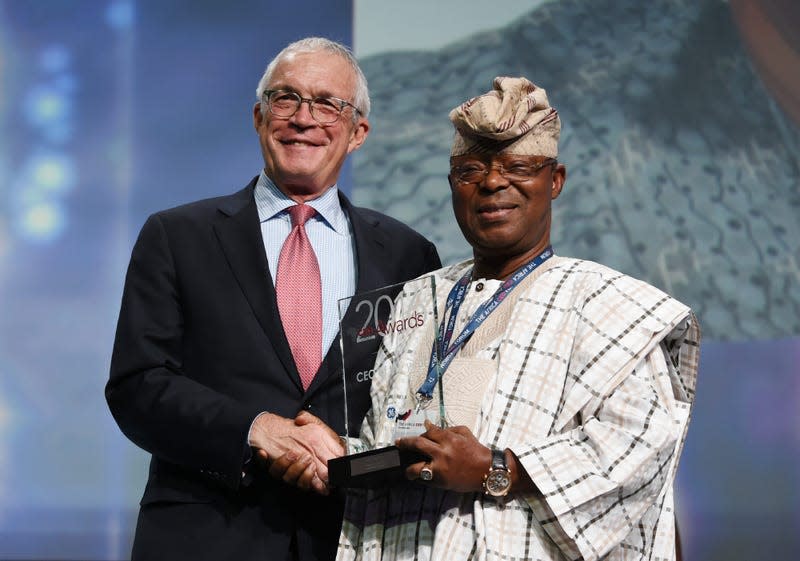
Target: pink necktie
(299,292)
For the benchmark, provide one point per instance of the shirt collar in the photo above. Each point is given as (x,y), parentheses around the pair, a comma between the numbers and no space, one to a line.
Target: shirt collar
(271,203)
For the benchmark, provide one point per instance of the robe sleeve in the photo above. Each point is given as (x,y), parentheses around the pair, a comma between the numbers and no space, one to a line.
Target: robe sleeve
(605,470)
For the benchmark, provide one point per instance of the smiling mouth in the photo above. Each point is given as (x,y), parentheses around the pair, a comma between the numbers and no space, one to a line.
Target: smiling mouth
(495,209)
(495,212)
(298,143)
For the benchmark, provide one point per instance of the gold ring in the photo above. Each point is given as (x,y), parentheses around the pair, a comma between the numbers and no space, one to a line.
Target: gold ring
(426,473)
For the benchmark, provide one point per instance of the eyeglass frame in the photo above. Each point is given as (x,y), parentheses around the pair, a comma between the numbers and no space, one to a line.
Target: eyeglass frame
(343,103)
(530,174)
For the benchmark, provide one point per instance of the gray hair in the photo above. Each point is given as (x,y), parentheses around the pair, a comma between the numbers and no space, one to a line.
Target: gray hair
(315,45)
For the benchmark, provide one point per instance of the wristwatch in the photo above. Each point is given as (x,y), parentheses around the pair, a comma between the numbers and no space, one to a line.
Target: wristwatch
(497,482)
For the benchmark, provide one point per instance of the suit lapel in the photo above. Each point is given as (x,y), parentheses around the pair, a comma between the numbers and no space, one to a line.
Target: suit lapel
(239,234)
(370,248)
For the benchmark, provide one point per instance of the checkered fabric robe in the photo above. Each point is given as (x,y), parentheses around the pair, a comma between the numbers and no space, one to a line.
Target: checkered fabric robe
(594,377)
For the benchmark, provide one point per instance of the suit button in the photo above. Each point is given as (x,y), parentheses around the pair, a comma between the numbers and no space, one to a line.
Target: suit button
(308,407)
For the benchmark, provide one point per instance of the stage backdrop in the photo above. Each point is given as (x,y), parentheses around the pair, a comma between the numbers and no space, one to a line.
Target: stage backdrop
(681,135)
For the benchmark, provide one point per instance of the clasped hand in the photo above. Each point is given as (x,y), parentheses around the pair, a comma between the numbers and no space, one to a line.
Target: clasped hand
(296,450)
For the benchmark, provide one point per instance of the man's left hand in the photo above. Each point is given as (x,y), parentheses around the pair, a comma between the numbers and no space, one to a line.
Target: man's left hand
(458,460)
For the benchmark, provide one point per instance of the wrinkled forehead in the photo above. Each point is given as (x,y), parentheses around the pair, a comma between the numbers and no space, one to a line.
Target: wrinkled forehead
(321,71)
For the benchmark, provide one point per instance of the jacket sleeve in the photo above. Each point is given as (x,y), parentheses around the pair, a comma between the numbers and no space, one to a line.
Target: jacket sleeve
(156,404)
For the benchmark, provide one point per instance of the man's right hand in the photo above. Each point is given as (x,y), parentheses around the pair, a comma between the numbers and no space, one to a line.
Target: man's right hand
(296,450)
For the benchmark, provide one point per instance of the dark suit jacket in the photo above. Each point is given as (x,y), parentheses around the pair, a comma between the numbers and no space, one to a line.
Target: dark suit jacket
(200,351)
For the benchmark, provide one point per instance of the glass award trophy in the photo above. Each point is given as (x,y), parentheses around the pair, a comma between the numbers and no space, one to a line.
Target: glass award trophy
(405,314)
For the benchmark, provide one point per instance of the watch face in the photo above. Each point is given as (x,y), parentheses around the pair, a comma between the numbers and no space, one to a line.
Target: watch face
(498,482)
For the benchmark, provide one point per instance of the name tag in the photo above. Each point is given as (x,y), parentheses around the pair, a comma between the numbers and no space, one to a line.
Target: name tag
(412,423)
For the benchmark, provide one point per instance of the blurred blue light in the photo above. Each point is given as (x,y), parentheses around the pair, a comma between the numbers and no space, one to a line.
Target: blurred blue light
(65,83)
(53,173)
(43,176)
(5,240)
(55,58)
(58,132)
(5,409)
(43,106)
(43,222)
(120,14)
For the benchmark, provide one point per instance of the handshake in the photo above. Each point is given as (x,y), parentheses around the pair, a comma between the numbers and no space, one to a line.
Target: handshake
(296,450)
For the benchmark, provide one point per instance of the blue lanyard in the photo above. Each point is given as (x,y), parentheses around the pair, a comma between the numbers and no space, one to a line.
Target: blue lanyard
(442,352)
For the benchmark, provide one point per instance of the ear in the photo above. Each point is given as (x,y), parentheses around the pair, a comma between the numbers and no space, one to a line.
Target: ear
(258,118)
(358,135)
(559,178)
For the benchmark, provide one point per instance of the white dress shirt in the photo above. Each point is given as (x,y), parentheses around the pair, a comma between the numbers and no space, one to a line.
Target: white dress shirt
(331,236)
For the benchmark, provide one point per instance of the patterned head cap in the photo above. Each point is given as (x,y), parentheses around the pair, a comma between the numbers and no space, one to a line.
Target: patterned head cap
(514,118)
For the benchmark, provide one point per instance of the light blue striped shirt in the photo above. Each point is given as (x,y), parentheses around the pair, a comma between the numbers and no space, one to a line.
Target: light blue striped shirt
(331,236)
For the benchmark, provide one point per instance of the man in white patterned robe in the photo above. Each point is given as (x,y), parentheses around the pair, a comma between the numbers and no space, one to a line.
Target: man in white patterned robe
(580,378)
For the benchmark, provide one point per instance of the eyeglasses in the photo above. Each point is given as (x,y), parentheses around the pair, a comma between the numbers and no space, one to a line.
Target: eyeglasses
(515,171)
(324,110)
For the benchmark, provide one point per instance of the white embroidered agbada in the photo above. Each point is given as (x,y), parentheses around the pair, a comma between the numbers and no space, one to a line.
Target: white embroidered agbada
(588,376)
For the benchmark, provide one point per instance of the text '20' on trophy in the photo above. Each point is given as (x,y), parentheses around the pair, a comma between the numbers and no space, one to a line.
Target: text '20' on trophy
(406,321)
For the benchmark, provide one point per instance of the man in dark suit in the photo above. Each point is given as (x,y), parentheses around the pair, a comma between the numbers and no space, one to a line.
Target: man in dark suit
(205,377)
